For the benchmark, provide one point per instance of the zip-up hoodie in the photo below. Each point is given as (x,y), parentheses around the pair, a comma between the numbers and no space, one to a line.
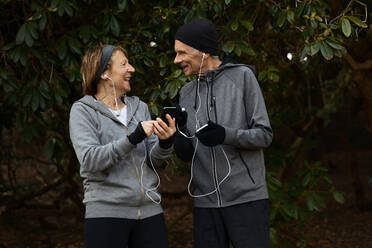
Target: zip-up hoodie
(110,165)
(231,97)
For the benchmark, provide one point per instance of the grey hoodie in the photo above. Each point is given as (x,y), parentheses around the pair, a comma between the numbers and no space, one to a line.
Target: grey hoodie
(110,165)
(229,96)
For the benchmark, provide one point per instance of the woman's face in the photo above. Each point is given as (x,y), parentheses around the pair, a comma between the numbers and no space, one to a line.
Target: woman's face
(120,72)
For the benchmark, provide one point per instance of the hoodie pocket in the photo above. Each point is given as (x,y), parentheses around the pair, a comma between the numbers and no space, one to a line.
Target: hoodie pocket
(246,167)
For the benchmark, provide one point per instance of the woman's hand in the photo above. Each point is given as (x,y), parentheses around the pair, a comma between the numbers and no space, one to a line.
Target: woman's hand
(148,127)
(162,130)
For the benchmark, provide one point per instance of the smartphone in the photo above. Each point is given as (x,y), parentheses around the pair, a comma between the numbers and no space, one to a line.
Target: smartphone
(172,111)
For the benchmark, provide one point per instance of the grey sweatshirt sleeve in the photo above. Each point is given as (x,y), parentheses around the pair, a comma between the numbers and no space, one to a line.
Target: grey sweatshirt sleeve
(91,154)
(259,134)
(156,154)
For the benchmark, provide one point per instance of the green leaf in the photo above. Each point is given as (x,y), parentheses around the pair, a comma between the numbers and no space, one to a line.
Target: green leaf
(290,16)
(114,26)
(337,53)
(306,179)
(326,51)
(21,34)
(122,4)
(247,24)
(163,72)
(228,47)
(29,40)
(304,52)
(42,22)
(155,110)
(272,76)
(54,3)
(234,25)
(311,204)
(163,62)
(177,73)
(35,101)
(85,33)
(32,28)
(148,62)
(314,48)
(27,97)
(334,45)
(74,45)
(314,24)
(68,9)
(346,27)
(338,196)
(238,50)
(281,18)
(357,21)
(62,49)
(173,89)
(262,76)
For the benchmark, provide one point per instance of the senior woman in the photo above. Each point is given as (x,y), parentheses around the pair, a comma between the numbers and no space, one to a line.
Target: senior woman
(115,142)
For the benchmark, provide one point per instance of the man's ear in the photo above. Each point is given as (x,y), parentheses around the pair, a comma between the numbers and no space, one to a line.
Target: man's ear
(206,55)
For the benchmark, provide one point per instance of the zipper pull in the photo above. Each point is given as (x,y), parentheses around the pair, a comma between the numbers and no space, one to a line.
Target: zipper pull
(213,101)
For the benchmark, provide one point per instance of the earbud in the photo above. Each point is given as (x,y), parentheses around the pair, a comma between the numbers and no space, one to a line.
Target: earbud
(105,76)
(203,55)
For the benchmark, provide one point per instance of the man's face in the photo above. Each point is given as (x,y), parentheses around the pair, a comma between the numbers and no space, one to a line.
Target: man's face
(188,58)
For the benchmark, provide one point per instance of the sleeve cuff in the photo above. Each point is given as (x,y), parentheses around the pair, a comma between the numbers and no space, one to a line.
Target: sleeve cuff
(230,136)
(167,143)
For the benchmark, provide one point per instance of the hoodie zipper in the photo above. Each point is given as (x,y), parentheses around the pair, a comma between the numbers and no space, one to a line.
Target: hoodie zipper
(139,214)
(218,192)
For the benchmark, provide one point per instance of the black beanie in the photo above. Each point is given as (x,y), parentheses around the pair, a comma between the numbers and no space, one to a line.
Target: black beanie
(199,34)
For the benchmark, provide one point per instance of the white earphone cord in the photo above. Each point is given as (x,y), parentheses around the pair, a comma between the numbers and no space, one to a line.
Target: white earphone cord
(197,142)
(113,86)
(153,189)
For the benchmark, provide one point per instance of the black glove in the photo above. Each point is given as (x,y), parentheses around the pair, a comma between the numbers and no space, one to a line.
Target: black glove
(212,135)
(181,116)
(183,146)
(178,114)
(138,135)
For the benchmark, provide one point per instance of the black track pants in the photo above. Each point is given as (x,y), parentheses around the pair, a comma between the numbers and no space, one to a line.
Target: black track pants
(121,233)
(244,226)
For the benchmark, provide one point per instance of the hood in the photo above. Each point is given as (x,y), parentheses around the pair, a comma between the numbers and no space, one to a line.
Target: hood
(214,74)
(132,101)
(228,63)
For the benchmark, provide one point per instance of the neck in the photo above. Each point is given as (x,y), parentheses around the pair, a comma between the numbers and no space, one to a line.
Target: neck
(105,94)
(211,63)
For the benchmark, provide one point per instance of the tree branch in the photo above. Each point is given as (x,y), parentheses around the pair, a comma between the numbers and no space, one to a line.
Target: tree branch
(356,66)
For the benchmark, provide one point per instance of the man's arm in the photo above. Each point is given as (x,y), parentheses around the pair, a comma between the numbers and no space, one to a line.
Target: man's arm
(259,134)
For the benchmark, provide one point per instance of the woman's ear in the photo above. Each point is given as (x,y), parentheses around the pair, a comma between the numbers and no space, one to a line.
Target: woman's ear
(104,76)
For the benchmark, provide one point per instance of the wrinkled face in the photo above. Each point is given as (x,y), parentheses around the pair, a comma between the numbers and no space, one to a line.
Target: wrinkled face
(120,71)
(188,58)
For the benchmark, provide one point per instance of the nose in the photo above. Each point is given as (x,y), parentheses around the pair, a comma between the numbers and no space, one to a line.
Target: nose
(177,59)
(131,68)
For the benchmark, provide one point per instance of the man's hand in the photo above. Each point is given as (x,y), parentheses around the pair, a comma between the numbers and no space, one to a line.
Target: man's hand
(212,135)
